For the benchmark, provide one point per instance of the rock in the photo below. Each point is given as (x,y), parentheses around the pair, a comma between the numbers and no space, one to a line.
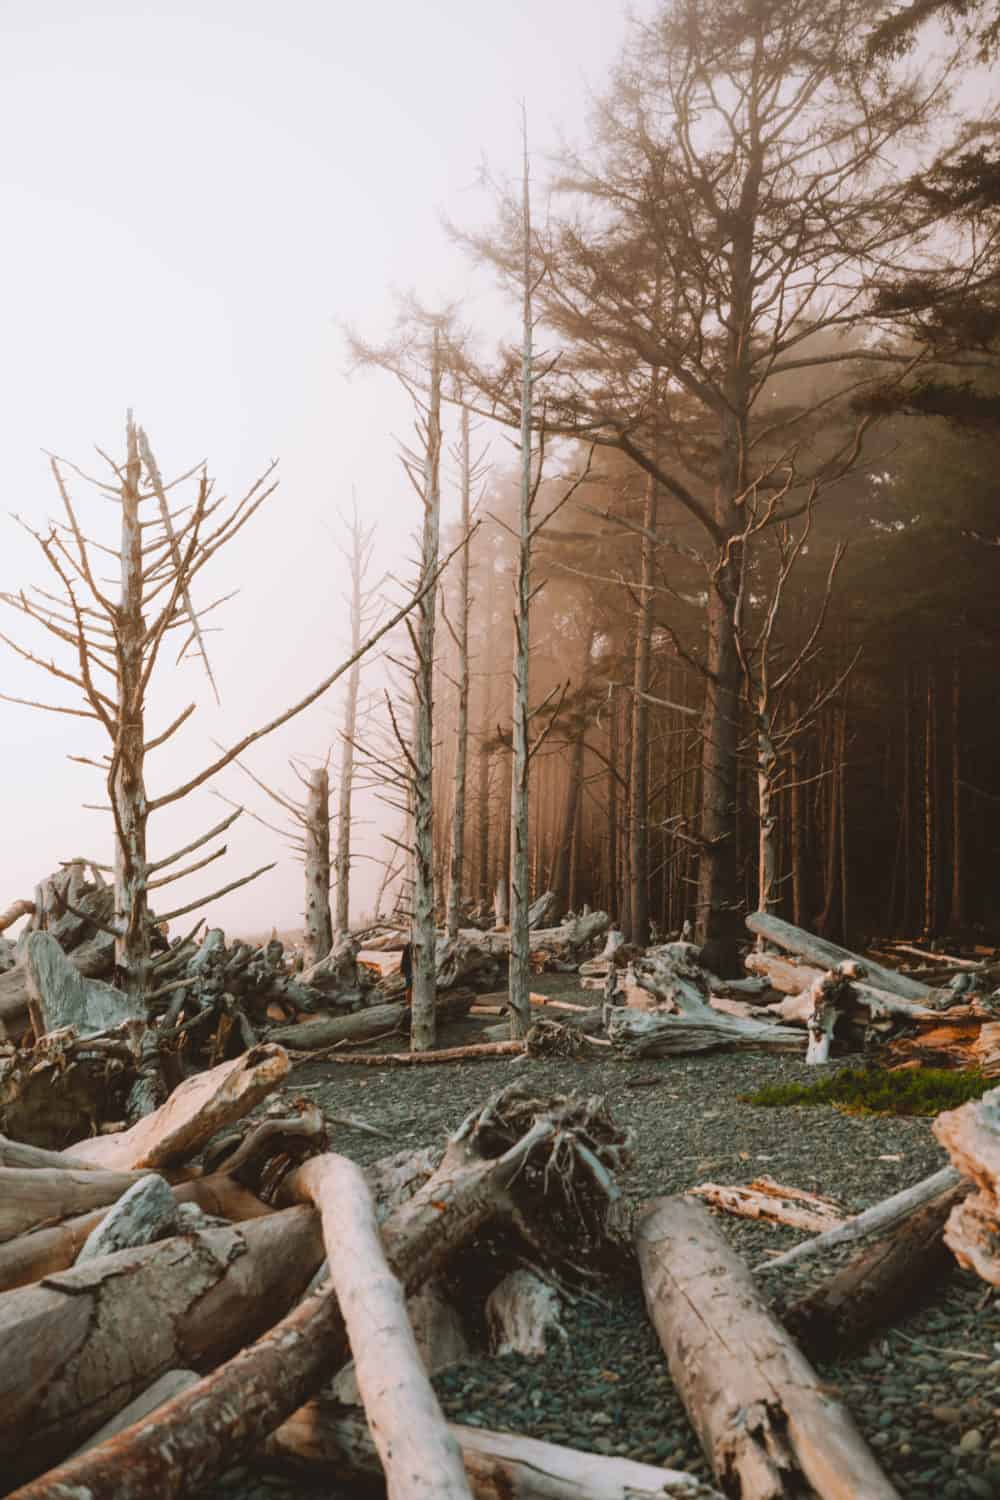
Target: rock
(59,995)
(145,1213)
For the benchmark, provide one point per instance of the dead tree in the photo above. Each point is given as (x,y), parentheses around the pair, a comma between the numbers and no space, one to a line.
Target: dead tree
(160,553)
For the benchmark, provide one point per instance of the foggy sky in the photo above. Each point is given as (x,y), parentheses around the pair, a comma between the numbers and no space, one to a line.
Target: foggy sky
(192,207)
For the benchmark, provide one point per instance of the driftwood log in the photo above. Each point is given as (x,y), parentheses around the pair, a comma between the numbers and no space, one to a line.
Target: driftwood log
(638,1034)
(78,1347)
(971,1136)
(364,1025)
(795,980)
(766,1424)
(545,1166)
(882,1280)
(500,1466)
(817,950)
(769,1201)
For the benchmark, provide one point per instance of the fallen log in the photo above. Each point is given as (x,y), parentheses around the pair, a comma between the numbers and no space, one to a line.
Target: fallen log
(884,1215)
(795,980)
(416,1059)
(192,1114)
(521,1312)
(14,912)
(76,1349)
(766,1424)
(971,1137)
(494,1167)
(829,956)
(770,1201)
(59,995)
(94,959)
(883,1281)
(363,1025)
(322,1436)
(419,1456)
(34,1196)
(637,1033)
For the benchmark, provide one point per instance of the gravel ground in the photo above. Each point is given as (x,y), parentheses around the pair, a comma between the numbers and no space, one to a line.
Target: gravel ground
(925,1392)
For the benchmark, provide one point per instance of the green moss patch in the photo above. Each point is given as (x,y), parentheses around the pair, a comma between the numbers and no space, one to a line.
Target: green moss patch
(876,1091)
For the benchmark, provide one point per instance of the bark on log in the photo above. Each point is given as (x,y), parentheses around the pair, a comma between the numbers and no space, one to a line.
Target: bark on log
(971,1137)
(204,1430)
(323,1436)
(767,1426)
(419,1456)
(75,1350)
(192,1114)
(829,956)
(160,1391)
(773,1203)
(638,1034)
(886,1279)
(884,1215)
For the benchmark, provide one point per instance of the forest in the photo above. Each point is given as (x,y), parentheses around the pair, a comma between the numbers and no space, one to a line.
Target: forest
(681,730)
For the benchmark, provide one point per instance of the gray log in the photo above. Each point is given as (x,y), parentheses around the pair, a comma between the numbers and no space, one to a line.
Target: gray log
(59,995)
(829,956)
(637,1033)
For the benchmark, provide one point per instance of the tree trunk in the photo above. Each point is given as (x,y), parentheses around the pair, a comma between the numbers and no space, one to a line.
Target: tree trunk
(766,1424)
(345,792)
(462,728)
(423,927)
(520,892)
(639,770)
(317,935)
(956,921)
(767,819)
(930,810)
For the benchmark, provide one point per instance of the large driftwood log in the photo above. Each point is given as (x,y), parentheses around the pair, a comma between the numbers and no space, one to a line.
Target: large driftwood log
(767,1425)
(76,1349)
(498,1165)
(884,1280)
(521,1313)
(192,1114)
(817,950)
(881,1216)
(971,1136)
(419,1456)
(323,1436)
(94,959)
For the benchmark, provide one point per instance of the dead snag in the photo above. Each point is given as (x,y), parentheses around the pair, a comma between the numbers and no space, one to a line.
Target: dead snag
(767,1426)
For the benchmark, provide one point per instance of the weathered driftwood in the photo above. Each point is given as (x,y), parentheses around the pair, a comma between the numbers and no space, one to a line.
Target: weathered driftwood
(884,1279)
(363,1025)
(93,958)
(826,999)
(14,912)
(638,1034)
(438,1330)
(539,911)
(322,1436)
(795,979)
(155,1395)
(76,1349)
(772,1202)
(492,1168)
(193,1113)
(337,973)
(881,1216)
(34,1196)
(421,1059)
(59,995)
(419,1456)
(817,950)
(521,1314)
(64,1087)
(971,1137)
(766,1424)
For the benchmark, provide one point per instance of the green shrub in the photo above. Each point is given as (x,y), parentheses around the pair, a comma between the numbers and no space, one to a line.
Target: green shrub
(876,1091)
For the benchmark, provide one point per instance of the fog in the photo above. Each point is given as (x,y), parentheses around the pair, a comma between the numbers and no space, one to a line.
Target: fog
(194,207)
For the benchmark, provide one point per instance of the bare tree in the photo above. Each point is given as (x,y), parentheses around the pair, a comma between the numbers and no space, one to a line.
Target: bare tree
(159,557)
